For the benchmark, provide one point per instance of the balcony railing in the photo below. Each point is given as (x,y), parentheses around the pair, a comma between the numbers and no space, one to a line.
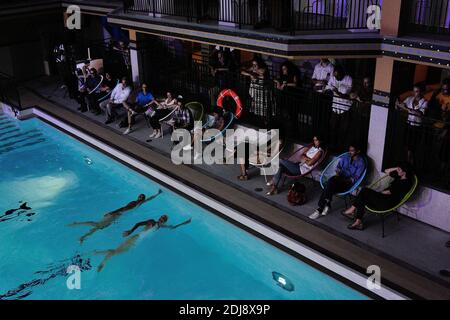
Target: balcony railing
(422,141)
(283,15)
(299,113)
(429,16)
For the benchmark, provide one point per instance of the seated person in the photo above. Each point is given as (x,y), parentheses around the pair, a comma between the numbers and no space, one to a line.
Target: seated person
(182,118)
(143,103)
(384,200)
(349,170)
(163,110)
(296,195)
(108,83)
(217,121)
(118,96)
(93,86)
(306,164)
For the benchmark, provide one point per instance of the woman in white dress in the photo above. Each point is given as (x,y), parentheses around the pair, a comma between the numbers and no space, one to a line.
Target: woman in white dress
(308,161)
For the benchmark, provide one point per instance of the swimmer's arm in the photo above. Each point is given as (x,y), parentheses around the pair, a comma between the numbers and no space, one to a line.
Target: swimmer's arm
(178,225)
(153,196)
(136,226)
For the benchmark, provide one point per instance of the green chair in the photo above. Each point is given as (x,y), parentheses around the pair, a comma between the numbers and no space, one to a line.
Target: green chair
(197,111)
(382,184)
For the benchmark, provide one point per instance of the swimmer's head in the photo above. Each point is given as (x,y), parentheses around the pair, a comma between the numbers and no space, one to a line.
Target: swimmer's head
(163,219)
(141,197)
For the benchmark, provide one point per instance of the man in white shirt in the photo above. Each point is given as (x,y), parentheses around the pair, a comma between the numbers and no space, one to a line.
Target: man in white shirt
(341,86)
(322,73)
(119,95)
(415,105)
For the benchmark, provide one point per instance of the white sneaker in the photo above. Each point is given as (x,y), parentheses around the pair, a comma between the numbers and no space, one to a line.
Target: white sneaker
(326,210)
(152,135)
(197,156)
(159,135)
(128,131)
(315,215)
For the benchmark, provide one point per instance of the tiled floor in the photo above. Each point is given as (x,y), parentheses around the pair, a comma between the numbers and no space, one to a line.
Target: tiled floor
(408,242)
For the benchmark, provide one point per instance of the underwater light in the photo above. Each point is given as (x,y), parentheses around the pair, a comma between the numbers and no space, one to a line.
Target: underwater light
(283,281)
(88,160)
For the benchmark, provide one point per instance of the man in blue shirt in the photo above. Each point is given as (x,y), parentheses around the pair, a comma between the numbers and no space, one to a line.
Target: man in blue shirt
(144,100)
(350,168)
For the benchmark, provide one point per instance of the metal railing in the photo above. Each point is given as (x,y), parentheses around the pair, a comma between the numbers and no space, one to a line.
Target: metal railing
(299,113)
(283,15)
(429,16)
(422,141)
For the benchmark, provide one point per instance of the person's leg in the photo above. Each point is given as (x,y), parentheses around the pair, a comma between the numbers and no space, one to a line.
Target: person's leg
(328,192)
(372,199)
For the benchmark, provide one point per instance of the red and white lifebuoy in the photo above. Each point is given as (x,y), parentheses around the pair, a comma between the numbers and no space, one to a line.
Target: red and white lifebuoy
(232,94)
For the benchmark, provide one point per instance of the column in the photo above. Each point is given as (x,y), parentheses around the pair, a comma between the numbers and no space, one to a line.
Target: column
(391,13)
(136,65)
(380,111)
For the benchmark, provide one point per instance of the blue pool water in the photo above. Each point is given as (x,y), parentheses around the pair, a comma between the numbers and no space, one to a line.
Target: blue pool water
(63,180)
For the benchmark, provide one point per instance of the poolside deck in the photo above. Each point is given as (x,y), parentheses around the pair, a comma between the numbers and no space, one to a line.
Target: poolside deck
(410,256)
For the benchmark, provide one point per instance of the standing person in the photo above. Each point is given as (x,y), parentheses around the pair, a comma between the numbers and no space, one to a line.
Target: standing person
(384,200)
(340,86)
(322,74)
(143,103)
(288,79)
(416,106)
(118,96)
(258,74)
(349,170)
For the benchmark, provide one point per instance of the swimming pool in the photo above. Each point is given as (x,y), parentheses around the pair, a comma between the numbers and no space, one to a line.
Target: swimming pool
(62,180)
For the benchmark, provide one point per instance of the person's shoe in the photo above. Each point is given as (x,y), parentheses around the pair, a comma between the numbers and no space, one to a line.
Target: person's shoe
(83,110)
(128,131)
(197,156)
(326,210)
(159,135)
(152,135)
(348,216)
(315,215)
(359,227)
(108,121)
(188,147)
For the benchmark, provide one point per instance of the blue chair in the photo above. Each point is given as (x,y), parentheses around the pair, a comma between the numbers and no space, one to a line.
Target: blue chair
(330,171)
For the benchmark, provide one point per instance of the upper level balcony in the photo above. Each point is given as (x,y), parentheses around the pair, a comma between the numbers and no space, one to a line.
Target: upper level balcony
(428,17)
(280,16)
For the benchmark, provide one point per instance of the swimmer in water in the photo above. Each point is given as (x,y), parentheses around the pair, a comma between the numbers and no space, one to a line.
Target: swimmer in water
(130,242)
(8,215)
(112,216)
